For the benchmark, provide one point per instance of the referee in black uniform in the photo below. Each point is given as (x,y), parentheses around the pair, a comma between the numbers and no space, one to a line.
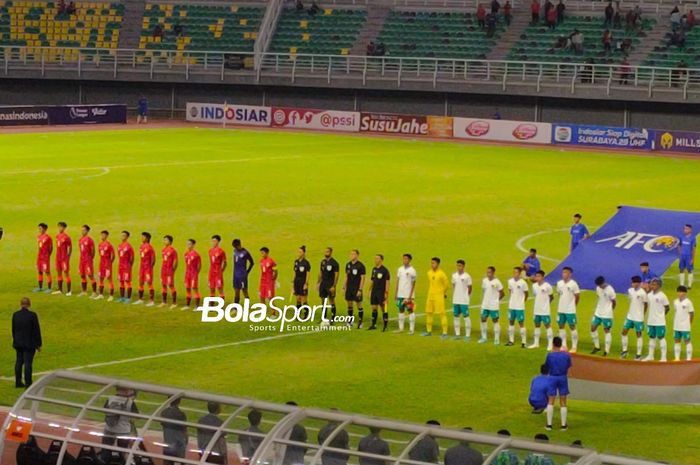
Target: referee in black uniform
(379,291)
(328,274)
(302,267)
(354,283)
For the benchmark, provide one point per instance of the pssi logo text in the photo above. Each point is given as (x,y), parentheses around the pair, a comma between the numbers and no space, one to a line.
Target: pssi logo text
(652,243)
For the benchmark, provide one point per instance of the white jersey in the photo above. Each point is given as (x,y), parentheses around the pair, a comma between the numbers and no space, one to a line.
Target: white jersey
(542,292)
(517,294)
(638,297)
(606,297)
(657,311)
(405,277)
(492,297)
(567,296)
(681,320)
(461,283)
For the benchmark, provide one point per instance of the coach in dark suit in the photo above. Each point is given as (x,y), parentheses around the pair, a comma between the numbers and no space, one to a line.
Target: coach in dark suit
(26,339)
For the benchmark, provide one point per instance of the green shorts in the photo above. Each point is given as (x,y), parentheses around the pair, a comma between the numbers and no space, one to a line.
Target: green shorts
(543,319)
(404,304)
(606,322)
(656,332)
(493,314)
(684,335)
(460,309)
(637,325)
(518,315)
(566,319)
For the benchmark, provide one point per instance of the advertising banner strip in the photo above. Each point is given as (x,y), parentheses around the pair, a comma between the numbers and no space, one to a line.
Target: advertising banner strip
(502,130)
(677,141)
(62,114)
(246,115)
(603,136)
(323,120)
(384,123)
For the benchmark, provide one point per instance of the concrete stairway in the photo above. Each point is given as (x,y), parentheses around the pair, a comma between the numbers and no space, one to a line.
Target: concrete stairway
(653,38)
(131,23)
(521,18)
(377,12)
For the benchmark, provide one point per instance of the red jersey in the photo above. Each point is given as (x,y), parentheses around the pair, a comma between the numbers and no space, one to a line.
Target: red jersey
(106,251)
(87,249)
(193,263)
(126,256)
(45,247)
(63,246)
(267,265)
(217,257)
(169,255)
(148,256)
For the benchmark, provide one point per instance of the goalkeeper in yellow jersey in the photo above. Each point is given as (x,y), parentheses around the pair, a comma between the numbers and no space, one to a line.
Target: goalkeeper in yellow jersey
(437,293)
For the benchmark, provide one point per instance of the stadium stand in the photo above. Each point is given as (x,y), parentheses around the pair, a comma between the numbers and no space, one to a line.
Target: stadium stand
(442,34)
(538,43)
(43,24)
(183,26)
(331,31)
(670,55)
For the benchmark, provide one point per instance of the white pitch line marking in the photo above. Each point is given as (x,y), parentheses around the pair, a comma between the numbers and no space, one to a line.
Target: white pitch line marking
(104,171)
(145,165)
(519,243)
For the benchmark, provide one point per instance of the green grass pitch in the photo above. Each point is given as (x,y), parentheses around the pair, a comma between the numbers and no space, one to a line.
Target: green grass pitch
(285,189)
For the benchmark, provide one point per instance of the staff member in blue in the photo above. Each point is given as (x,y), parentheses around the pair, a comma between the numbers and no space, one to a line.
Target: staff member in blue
(531,264)
(142,111)
(686,250)
(558,361)
(579,231)
(540,386)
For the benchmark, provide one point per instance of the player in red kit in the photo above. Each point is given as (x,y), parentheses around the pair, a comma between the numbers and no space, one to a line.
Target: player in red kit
(126,262)
(106,251)
(87,261)
(64,249)
(268,275)
(43,258)
(148,262)
(167,271)
(193,264)
(217,265)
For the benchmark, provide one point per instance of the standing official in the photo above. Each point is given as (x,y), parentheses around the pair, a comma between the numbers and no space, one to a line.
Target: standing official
(26,340)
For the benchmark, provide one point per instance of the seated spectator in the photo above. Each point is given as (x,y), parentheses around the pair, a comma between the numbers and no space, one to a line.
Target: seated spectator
(538,390)
(371,48)
(626,45)
(491,21)
(340,441)
(249,444)
(178,30)
(561,8)
(158,31)
(588,72)
(300,5)
(314,8)
(577,41)
(481,16)
(630,22)
(534,458)
(625,72)
(561,43)
(506,456)
(463,454)
(495,7)
(535,11)
(678,39)
(617,19)
(609,14)
(380,51)
(71,8)
(507,12)
(61,6)
(675,19)
(175,435)
(373,444)
(219,450)
(552,19)
(607,41)
(427,449)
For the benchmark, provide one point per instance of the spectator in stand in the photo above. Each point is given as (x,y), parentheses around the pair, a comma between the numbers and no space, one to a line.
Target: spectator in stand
(61,6)
(71,8)
(371,48)
(607,40)
(535,11)
(178,30)
(617,19)
(552,18)
(561,8)
(609,13)
(26,340)
(681,72)
(561,43)
(625,72)
(491,21)
(678,39)
(675,19)
(548,5)
(300,6)
(481,16)
(587,72)
(314,8)
(507,12)
(463,454)
(495,7)
(691,19)
(158,31)
(577,41)
(380,51)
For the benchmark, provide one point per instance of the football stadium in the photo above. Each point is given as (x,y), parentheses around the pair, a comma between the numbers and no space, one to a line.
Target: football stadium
(349,232)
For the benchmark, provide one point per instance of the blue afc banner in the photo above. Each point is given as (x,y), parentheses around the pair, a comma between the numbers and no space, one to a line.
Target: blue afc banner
(634,235)
(602,136)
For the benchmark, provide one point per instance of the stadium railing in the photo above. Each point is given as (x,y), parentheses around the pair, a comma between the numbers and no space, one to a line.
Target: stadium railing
(401,72)
(72,408)
(267,29)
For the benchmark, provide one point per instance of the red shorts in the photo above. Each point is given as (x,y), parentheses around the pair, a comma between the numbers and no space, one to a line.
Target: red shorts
(125,276)
(216,281)
(146,276)
(86,268)
(43,265)
(105,273)
(63,266)
(167,279)
(192,281)
(267,290)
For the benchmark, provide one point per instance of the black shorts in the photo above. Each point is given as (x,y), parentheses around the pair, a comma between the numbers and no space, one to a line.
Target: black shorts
(351,295)
(299,288)
(324,291)
(377,299)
